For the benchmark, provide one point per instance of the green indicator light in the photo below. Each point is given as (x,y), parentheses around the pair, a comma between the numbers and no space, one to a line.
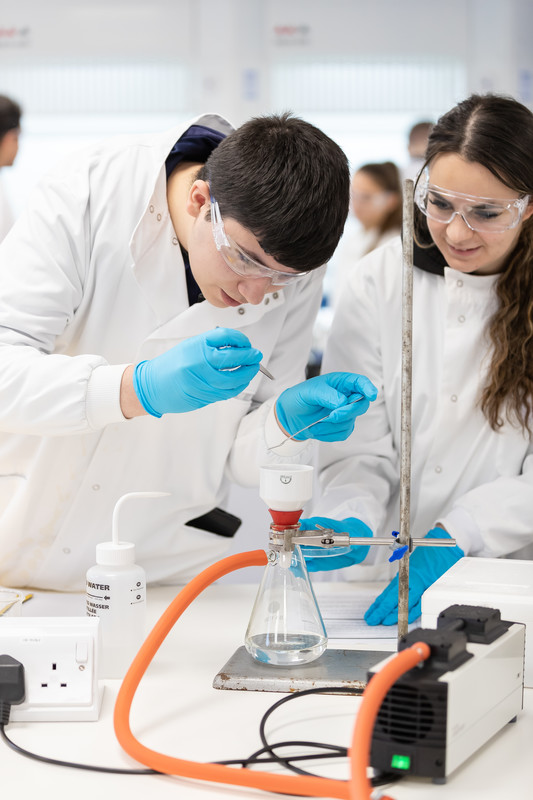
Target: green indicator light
(400,762)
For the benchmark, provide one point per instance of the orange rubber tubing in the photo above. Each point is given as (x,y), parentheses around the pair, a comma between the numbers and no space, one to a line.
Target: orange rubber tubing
(358,788)
(373,696)
(299,785)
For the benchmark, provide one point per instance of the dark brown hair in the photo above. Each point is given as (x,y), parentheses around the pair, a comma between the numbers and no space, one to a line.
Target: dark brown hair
(287,182)
(497,132)
(10,114)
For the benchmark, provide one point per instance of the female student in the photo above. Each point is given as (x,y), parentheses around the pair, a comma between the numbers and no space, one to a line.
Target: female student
(472,406)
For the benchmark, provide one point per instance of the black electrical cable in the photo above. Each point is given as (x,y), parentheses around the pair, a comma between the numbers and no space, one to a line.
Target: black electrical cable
(12,691)
(72,764)
(255,759)
(338,751)
(93,768)
(378,779)
(286,761)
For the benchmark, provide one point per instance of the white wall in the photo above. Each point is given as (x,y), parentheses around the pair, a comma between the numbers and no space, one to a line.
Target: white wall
(88,68)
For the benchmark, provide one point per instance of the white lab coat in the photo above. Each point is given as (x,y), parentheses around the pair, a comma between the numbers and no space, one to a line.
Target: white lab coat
(92,279)
(477,483)
(7,218)
(356,242)
(354,245)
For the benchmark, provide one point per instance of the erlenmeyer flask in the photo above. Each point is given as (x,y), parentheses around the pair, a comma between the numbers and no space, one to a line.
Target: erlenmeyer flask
(286,626)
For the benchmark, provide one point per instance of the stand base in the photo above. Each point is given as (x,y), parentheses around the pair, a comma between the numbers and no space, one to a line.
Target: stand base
(347,668)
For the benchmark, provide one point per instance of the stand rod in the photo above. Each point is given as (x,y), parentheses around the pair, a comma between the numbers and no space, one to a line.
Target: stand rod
(406,394)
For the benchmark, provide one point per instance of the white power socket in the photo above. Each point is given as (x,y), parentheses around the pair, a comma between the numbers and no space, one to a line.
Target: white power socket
(59,655)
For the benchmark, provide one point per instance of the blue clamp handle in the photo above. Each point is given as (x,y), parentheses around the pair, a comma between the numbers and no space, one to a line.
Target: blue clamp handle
(398,550)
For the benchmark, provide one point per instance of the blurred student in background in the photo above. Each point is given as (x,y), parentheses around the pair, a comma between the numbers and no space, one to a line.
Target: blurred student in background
(376,217)
(376,204)
(10,114)
(416,147)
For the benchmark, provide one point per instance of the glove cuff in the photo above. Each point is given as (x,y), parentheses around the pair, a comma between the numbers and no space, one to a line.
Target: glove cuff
(276,440)
(280,419)
(440,533)
(139,379)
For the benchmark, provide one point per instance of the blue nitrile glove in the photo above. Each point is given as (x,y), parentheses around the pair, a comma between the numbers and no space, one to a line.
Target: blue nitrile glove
(307,402)
(203,369)
(425,566)
(323,561)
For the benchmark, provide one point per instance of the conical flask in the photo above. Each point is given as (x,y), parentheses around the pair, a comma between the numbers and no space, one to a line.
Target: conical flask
(286,626)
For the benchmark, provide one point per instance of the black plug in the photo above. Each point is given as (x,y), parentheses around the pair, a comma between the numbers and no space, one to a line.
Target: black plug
(12,687)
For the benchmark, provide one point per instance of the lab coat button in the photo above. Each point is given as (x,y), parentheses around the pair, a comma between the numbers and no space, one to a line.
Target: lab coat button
(267,300)
(275,295)
(159,217)
(240,310)
(174,240)
(96,487)
(453,398)
(152,209)
(461,318)
(459,283)
(438,469)
(66,550)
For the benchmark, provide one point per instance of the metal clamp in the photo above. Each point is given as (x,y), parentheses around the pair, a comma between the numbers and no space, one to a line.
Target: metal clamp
(328,538)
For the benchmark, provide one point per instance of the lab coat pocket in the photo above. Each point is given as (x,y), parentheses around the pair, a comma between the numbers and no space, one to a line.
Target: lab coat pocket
(11,485)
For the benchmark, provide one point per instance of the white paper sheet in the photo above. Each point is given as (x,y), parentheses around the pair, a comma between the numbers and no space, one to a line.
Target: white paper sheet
(343,615)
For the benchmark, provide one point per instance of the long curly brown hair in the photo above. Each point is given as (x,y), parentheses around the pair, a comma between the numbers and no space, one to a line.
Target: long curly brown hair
(497,132)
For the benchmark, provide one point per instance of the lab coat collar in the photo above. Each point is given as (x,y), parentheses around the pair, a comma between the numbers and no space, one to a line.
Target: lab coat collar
(158,264)
(159,148)
(429,259)
(477,285)
(161,144)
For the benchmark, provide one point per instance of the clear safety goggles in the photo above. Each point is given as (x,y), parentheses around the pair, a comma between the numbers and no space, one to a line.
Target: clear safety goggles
(483,214)
(239,261)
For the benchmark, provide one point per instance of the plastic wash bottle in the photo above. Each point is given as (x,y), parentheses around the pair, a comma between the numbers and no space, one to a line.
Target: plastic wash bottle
(116,593)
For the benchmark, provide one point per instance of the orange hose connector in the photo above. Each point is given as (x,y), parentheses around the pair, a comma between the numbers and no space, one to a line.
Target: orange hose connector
(373,696)
(218,773)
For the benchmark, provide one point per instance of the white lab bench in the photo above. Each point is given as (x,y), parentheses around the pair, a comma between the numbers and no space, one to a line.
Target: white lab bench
(176,711)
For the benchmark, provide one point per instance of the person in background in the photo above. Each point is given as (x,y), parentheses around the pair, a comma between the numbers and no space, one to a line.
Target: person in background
(10,115)
(417,142)
(472,379)
(140,289)
(376,202)
(376,206)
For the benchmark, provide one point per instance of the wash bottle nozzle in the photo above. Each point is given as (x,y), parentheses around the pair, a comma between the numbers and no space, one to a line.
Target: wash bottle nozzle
(117,552)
